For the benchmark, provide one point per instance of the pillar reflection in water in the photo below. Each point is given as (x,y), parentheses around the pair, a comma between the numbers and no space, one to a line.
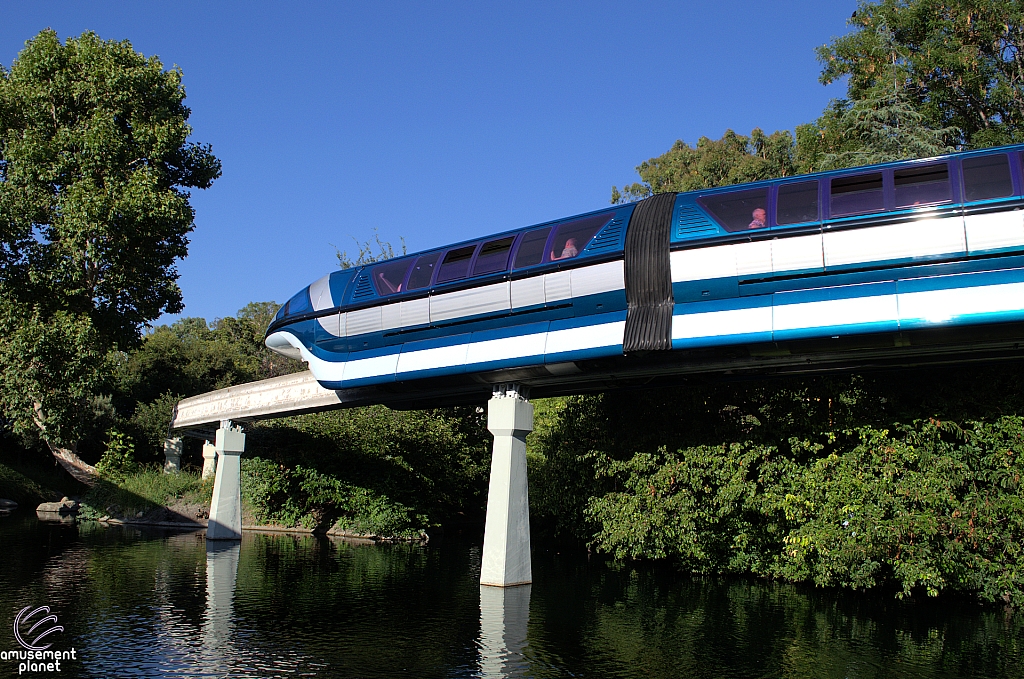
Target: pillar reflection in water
(504,615)
(221,572)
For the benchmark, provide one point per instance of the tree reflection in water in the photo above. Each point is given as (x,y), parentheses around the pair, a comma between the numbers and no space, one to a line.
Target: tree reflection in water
(147,603)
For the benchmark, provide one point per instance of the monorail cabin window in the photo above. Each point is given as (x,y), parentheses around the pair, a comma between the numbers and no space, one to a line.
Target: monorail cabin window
(987,177)
(571,237)
(298,304)
(797,203)
(923,185)
(856,195)
(422,270)
(456,264)
(493,256)
(738,210)
(388,278)
(531,248)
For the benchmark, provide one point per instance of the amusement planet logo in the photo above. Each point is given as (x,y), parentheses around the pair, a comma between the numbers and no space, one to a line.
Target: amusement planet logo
(31,632)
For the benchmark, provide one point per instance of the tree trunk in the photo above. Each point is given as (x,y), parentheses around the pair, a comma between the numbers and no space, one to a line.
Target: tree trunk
(74,465)
(67,456)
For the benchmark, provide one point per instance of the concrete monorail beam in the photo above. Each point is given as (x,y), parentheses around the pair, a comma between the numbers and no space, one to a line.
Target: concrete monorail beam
(276,397)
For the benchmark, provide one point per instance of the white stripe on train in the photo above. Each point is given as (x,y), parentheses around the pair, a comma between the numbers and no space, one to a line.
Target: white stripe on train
(818,318)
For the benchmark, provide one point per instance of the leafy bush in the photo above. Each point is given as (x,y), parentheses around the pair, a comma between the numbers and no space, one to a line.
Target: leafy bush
(807,479)
(428,466)
(931,505)
(306,497)
(118,461)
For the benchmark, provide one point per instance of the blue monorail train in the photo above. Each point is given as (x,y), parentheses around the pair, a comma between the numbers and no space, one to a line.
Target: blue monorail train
(900,262)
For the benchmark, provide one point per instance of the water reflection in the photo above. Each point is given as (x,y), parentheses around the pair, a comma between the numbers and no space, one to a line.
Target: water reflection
(504,616)
(140,603)
(221,573)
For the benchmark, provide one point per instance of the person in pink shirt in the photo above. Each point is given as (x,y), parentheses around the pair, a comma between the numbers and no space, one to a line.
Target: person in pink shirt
(760,219)
(568,251)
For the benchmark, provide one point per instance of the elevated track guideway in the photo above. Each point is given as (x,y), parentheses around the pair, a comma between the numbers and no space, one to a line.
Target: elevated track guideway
(896,264)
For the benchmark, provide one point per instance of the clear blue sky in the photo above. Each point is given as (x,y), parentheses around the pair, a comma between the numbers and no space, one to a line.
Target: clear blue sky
(439,121)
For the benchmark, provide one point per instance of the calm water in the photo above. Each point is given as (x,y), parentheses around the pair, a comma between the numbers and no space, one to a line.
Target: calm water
(141,603)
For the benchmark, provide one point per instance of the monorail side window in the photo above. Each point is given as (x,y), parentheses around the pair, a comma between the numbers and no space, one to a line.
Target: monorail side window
(572,237)
(856,195)
(738,210)
(299,304)
(987,177)
(922,185)
(797,203)
(531,248)
(493,256)
(422,270)
(456,264)
(387,278)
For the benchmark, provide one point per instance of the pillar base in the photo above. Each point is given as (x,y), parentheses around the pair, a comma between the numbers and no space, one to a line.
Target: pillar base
(506,554)
(226,508)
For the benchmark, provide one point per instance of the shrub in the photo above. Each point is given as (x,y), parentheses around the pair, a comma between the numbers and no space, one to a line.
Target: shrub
(930,506)
(118,459)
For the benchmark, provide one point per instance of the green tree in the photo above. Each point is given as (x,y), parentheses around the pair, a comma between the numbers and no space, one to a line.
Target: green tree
(191,357)
(961,63)
(368,251)
(733,159)
(882,124)
(94,166)
(245,331)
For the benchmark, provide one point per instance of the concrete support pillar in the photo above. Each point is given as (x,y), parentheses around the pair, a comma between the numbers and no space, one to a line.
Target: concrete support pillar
(506,557)
(172,455)
(504,618)
(226,509)
(209,460)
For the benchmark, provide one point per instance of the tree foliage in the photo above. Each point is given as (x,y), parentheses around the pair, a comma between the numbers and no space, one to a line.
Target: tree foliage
(191,357)
(909,480)
(960,63)
(95,164)
(925,77)
(733,159)
(880,124)
(370,470)
(367,252)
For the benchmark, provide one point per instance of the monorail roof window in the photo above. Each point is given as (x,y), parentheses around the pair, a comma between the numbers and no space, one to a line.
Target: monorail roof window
(797,202)
(570,238)
(922,185)
(987,177)
(493,256)
(299,304)
(456,264)
(857,195)
(422,270)
(738,210)
(531,248)
(388,278)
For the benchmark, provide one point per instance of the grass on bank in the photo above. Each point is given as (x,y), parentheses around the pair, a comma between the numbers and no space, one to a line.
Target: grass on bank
(143,490)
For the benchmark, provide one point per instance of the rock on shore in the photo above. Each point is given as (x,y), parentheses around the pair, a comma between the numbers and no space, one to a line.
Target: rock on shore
(65,506)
